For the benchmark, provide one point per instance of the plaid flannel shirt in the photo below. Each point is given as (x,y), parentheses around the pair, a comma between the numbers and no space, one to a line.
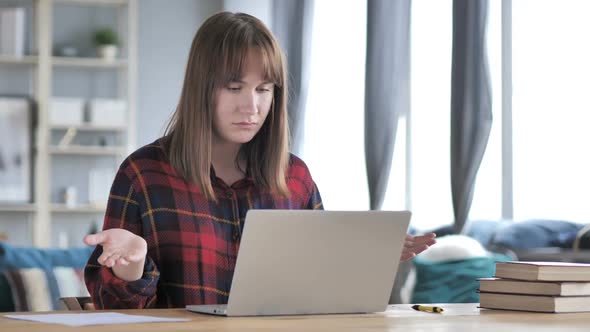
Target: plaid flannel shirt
(192,242)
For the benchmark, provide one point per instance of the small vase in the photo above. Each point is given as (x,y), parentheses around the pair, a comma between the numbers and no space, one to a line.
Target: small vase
(108,52)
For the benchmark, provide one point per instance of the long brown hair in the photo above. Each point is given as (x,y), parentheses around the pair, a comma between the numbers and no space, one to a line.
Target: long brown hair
(216,58)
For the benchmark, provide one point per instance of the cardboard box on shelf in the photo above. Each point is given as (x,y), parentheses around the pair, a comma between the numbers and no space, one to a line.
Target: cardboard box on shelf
(66,111)
(104,111)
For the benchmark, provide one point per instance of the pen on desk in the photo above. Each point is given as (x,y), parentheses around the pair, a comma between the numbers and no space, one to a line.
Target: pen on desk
(427,308)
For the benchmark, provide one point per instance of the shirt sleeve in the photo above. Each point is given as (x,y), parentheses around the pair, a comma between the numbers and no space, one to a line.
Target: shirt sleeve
(315,200)
(106,289)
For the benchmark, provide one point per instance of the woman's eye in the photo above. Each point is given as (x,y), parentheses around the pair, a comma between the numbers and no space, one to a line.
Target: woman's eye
(233,88)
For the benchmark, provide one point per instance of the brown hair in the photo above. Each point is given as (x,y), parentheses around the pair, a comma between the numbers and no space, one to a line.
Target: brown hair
(216,58)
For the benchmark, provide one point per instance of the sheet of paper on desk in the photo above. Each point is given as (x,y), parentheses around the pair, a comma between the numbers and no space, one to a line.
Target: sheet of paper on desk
(450,309)
(102,318)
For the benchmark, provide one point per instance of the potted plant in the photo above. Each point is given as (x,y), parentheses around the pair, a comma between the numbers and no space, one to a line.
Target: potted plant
(107,42)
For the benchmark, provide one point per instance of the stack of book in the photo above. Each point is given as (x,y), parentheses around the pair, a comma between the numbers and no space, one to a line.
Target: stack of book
(537,286)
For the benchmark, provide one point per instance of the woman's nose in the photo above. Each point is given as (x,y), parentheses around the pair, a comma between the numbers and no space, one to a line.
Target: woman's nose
(249,103)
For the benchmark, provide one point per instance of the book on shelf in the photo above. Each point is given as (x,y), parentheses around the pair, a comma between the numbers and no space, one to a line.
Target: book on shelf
(554,288)
(537,303)
(543,271)
(12,31)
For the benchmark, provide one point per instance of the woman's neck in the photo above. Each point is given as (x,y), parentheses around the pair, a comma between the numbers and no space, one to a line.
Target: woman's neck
(223,158)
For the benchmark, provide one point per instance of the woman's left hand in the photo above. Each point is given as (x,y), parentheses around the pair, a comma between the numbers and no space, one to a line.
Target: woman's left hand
(416,244)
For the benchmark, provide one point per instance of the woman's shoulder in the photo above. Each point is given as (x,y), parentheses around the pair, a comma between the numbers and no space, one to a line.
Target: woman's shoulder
(298,169)
(300,183)
(149,156)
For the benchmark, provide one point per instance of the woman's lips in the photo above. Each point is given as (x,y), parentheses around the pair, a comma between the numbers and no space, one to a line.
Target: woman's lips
(245,125)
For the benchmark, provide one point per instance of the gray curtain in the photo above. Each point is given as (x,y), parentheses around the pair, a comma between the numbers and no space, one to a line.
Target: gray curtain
(292,24)
(387,91)
(471,106)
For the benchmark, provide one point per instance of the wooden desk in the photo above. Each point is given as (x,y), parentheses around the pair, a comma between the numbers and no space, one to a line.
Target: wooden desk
(457,317)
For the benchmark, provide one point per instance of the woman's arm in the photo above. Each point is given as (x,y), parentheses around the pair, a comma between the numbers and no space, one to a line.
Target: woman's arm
(120,273)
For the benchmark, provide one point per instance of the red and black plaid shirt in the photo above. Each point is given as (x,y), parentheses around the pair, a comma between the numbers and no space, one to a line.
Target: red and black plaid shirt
(192,242)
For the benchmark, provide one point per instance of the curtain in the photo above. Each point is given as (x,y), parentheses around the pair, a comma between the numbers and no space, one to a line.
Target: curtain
(292,24)
(471,108)
(387,88)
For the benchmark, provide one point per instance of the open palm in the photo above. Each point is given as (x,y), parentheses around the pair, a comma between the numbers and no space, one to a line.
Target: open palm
(119,247)
(414,245)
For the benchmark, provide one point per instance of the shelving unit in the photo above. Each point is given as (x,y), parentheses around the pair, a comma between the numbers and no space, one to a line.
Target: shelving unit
(45,64)
(90,127)
(93,2)
(25,60)
(65,61)
(88,62)
(88,150)
(82,208)
(18,208)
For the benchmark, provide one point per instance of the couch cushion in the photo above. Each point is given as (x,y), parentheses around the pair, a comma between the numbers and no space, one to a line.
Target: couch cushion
(30,290)
(448,271)
(6,302)
(452,281)
(536,234)
(21,257)
(14,260)
(484,230)
(70,282)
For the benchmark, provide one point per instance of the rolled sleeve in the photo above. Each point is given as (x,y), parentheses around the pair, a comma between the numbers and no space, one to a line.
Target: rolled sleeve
(112,292)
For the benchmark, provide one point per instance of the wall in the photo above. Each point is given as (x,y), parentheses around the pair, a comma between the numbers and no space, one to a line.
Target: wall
(262,9)
(165,36)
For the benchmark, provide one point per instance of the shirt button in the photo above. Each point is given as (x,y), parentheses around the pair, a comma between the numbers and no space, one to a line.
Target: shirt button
(230,194)
(236,236)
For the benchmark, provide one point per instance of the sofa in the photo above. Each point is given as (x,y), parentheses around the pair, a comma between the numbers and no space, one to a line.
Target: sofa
(448,272)
(33,279)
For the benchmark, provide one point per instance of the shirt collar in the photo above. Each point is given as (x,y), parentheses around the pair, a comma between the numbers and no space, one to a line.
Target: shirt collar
(244,182)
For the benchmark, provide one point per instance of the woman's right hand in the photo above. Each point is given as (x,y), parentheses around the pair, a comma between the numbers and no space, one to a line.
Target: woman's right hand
(120,247)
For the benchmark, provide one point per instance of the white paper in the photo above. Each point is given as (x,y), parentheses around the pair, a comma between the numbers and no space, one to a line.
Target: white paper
(102,318)
(450,309)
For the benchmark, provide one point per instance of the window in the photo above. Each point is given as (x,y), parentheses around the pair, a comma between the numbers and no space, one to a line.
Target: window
(335,105)
(551,109)
(431,45)
(550,113)
(487,195)
(429,193)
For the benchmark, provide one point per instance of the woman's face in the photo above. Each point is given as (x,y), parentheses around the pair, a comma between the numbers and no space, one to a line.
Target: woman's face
(242,106)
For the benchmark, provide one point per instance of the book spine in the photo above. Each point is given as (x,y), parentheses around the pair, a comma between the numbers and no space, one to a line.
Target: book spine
(19,32)
(10,23)
(12,31)
(3,31)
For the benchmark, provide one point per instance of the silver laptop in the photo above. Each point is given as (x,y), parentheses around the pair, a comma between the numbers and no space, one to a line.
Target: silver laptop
(294,262)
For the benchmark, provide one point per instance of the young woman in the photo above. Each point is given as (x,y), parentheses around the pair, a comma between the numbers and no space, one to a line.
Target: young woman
(177,206)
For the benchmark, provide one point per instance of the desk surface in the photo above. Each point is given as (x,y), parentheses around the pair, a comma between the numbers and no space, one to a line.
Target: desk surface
(457,317)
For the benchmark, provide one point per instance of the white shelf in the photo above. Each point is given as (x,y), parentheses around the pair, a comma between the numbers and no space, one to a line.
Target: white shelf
(43,65)
(81,208)
(92,2)
(88,62)
(13,60)
(17,207)
(88,150)
(89,127)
